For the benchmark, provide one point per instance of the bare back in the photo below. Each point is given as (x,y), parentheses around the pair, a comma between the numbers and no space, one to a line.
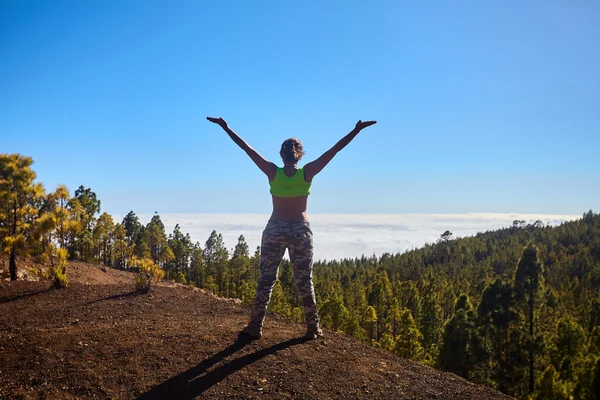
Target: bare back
(289,208)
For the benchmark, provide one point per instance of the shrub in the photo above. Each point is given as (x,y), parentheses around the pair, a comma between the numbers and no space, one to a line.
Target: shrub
(58,266)
(32,272)
(148,274)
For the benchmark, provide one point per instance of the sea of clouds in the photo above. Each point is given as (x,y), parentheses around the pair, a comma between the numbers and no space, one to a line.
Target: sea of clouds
(340,236)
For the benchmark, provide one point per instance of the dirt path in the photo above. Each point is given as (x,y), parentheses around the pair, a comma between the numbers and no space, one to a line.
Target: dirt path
(105,341)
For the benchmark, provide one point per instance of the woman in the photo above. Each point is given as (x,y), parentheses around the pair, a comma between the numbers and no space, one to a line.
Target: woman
(288,227)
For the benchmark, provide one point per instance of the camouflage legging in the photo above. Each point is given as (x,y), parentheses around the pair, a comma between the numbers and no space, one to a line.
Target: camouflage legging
(297,237)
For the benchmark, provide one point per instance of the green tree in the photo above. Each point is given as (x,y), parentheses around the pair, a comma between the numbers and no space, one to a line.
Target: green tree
(18,196)
(247,291)
(182,248)
(58,221)
(90,206)
(254,266)
(141,248)
(594,314)
(496,315)
(370,318)
(431,315)
(239,264)
(278,304)
(197,267)
(334,313)
(380,296)
(156,238)
(89,201)
(551,387)
(569,340)
(457,339)
(133,227)
(593,346)
(102,237)
(596,382)
(410,298)
(121,250)
(353,327)
(387,342)
(528,285)
(393,317)
(408,341)
(216,258)
(585,379)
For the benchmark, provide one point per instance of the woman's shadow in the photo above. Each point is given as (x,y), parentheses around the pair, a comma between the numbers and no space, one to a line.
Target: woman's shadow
(189,384)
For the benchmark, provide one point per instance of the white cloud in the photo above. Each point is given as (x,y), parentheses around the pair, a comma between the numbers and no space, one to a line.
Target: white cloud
(340,236)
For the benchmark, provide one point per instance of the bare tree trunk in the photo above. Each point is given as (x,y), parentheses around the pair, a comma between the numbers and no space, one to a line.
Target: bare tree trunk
(531,345)
(13,251)
(13,265)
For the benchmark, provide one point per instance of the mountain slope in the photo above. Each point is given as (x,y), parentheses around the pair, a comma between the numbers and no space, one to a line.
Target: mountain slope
(101,340)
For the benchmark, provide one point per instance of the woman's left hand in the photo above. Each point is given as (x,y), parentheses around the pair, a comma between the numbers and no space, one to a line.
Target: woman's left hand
(219,121)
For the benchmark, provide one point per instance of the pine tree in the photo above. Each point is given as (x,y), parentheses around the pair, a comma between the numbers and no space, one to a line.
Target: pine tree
(593,346)
(585,379)
(496,315)
(334,313)
(551,387)
(431,315)
(410,298)
(370,318)
(528,285)
(254,266)
(133,227)
(288,283)
(197,267)
(393,317)
(353,328)
(387,342)
(457,339)
(156,238)
(596,382)
(90,206)
(408,341)
(216,260)
(278,305)
(568,346)
(56,224)
(59,221)
(594,314)
(103,239)
(18,197)
(380,297)
(121,250)
(239,264)
(182,247)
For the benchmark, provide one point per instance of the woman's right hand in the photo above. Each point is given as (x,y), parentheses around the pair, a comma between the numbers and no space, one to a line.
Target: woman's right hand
(360,125)
(219,121)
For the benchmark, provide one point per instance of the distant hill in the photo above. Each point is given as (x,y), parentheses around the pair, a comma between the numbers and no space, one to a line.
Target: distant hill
(99,339)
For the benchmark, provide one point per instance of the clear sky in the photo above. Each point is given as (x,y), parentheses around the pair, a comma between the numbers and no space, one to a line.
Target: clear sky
(487,106)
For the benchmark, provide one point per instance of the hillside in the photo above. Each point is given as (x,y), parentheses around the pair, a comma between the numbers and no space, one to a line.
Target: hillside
(98,339)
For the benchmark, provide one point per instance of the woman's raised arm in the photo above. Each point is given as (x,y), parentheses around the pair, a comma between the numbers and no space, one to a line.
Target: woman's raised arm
(265,165)
(314,167)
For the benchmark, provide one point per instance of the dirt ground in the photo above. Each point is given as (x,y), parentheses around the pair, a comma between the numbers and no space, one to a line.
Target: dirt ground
(100,339)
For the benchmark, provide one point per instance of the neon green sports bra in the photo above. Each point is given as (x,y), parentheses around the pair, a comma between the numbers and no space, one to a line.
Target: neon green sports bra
(289,186)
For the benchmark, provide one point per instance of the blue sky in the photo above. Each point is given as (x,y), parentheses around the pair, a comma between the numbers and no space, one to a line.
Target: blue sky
(482,106)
